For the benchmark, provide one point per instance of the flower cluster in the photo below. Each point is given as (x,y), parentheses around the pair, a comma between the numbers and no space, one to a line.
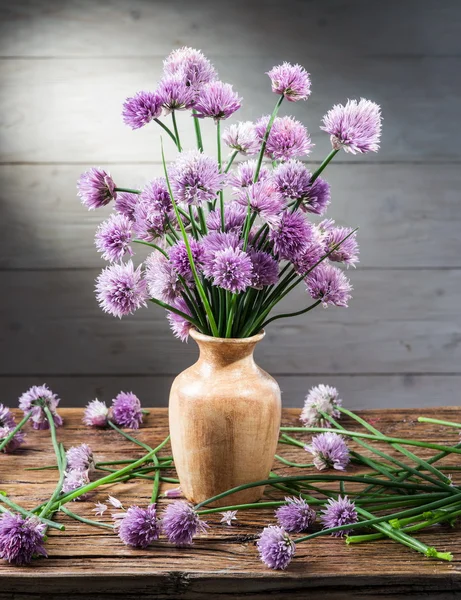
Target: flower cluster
(125,411)
(79,465)
(35,400)
(7,426)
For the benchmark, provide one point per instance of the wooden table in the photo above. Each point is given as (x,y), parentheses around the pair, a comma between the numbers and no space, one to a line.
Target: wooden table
(86,562)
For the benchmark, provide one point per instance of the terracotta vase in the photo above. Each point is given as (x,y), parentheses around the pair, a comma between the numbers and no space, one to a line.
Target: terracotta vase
(224,415)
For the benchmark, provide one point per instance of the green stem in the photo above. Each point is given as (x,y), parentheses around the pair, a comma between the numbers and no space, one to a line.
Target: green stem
(161,250)
(198,131)
(230,161)
(83,520)
(128,190)
(293,314)
(156,486)
(273,504)
(176,132)
(62,472)
(439,422)
(26,513)
(221,193)
(293,464)
(14,431)
(168,130)
(177,311)
(266,137)
(130,438)
(230,317)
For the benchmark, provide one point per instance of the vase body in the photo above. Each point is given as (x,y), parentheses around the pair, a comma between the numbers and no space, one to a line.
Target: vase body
(224,417)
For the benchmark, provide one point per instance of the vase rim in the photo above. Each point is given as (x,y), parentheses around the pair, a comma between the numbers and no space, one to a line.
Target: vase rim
(201,337)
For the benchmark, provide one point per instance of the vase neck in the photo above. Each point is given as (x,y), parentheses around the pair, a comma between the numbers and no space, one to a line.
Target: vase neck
(222,352)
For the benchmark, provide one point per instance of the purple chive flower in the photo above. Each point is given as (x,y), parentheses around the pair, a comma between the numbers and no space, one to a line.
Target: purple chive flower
(213,243)
(217,100)
(329,451)
(320,399)
(244,175)
(126,410)
(348,249)
(296,515)
(157,194)
(179,258)
(125,204)
(276,548)
(234,217)
(162,280)
(175,94)
(139,526)
(264,199)
(96,414)
(181,523)
(174,493)
(195,178)
(80,458)
(293,181)
(179,325)
(152,211)
(120,289)
(265,269)
(141,109)
(232,270)
(73,480)
(113,238)
(355,127)
(290,235)
(191,65)
(96,188)
(329,284)
(242,137)
(16,440)
(311,254)
(99,509)
(21,539)
(339,512)
(288,138)
(6,417)
(291,81)
(28,402)
(228,516)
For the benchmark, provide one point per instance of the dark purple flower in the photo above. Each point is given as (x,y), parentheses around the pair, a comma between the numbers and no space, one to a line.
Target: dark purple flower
(179,325)
(179,258)
(329,284)
(244,175)
(120,289)
(175,94)
(320,399)
(96,414)
(113,238)
(191,65)
(125,204)
(15,441)
(73,480)
(348,250)
(139,526)
(213,243)
(141,109)
(96,188)
(242,137)
(6,417)
(126,410)
(265,269)
(80,458)
(276,548)
(264,199)
(33,401)
(162,279)
(290,235)
(293,181)
(232,270)
(355,127)
(234,217)
(217,100)
(181,523)
(288,138)
(195,178)
(329,451)
(296,515)
(339,512)
(21,539)
(291,81)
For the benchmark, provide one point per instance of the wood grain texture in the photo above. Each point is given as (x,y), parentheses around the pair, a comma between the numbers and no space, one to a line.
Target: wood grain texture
(87,562)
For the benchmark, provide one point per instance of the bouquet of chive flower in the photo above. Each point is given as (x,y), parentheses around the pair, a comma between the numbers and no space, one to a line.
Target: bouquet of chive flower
(229,242)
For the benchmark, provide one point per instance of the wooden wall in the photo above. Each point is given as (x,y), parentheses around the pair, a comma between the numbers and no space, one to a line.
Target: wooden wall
(66,67)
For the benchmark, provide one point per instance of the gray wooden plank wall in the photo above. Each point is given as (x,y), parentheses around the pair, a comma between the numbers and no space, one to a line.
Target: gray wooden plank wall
(65,68)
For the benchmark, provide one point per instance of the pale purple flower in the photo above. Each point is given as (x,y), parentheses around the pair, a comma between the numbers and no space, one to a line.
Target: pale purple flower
(80,458)
(311,254)
(287,139)
(21,538)
(290,235)
(296,515)
(242,137)
(174,493)
(179,325)
(265,269)
(329,284)
(264,199)
(355,127)
(73,480)
(329,451)
(276,548)
(96,188)
(244,175)
(293,181)
(153,210)
(217,100)
(113,238)
(181,523)
(115,502)
(157,194)
(14,443)
(320,399)
(213,243)
(291,81)
(179,258)
(228,516)
(139,527)
(234,217)
(96,414)
(120,289)
(99,509)
(141,109)
(347,251)
(193,67)
(232,270)
(175,94)
(31,401)
(125,204)
(126,410)
(162,280)
(195,178)
(6,417)
(339,512)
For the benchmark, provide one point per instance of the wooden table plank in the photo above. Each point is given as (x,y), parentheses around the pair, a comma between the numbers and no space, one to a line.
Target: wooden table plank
(88,562)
